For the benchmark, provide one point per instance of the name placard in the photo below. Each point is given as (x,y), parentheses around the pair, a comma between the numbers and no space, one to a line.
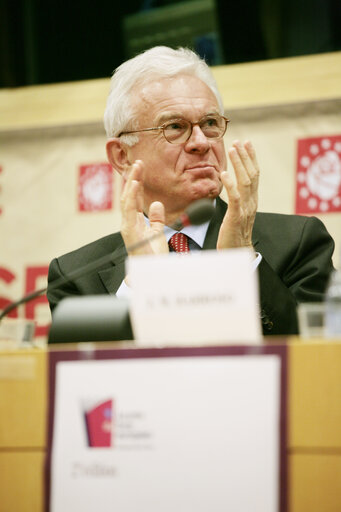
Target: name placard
(187,428)
(201,297)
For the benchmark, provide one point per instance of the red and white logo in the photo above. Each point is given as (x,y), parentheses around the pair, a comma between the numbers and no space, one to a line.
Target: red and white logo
(99,424)
(318,186)
(95,188)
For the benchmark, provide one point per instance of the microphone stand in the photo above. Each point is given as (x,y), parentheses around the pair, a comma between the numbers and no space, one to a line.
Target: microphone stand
(87,269)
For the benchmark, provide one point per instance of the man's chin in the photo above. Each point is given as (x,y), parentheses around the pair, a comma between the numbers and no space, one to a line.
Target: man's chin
(209,190)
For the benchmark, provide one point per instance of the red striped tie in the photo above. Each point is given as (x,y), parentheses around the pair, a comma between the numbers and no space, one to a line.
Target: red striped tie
(179,243)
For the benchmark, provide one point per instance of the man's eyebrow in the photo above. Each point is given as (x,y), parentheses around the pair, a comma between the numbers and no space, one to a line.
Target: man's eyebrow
(168,116)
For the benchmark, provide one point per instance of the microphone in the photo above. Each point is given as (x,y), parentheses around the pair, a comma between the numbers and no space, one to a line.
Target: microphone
(197,213)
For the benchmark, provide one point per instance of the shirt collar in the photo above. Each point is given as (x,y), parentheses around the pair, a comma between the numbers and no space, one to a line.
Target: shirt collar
(196,233)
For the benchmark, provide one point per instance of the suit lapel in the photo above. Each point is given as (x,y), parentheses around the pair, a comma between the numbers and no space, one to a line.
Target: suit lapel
(113,276)
(211,238)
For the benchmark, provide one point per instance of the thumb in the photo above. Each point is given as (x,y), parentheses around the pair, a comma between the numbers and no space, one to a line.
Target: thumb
(156,216)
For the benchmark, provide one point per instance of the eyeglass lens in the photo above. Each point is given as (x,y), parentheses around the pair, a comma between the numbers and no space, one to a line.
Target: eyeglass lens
(179,130)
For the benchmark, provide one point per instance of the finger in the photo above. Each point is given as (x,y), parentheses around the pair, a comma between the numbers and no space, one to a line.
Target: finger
(137,175)
(129,207)
(245,171)
(241,157)
(247,156)
(156,216)
(157,222)
(242,178)
(132,195)
(132,172)
(141,222)
(125,173)
(252,155)
(232,191)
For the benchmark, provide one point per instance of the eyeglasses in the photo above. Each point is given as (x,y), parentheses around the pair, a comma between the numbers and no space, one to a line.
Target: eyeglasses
(178,131)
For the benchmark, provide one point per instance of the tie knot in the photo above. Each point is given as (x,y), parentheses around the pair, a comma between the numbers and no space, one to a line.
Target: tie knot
(179,243)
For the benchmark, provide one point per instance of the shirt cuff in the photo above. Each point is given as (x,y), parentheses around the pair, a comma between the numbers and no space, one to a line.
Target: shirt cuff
(124,291)
(256,261)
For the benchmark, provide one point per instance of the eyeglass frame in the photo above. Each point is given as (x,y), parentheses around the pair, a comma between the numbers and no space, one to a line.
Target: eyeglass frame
(162,128)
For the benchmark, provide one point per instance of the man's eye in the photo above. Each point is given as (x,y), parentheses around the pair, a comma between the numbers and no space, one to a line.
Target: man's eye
(175,125)
(210,122)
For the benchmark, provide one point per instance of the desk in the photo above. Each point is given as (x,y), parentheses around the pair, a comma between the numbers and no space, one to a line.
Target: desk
(23,401)
(314,427)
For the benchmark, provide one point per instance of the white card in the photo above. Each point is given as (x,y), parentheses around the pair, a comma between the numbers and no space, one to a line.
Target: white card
(204,297)
(181,434)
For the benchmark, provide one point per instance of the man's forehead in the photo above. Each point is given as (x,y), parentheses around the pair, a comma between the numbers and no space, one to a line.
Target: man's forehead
(163,117)
(169,96)
(164,85)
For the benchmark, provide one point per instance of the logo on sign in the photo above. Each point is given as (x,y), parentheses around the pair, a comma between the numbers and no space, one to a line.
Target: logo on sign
(95,187)
(99,424)
(109,426)
(318,186)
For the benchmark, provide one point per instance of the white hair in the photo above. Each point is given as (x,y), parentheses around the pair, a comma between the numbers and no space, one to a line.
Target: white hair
(155,63)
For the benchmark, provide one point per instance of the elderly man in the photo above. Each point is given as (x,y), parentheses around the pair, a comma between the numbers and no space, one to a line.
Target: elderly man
(165,124)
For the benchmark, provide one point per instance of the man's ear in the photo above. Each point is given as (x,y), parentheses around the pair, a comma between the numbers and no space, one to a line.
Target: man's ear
(117,154)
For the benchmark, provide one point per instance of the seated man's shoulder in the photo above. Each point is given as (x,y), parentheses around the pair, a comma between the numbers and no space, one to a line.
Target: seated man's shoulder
(92,250)
(281,237)
(273,231)
(291,221)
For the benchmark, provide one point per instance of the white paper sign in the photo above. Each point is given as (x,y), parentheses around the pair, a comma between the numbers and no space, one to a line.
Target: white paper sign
(169,434)
(197,298)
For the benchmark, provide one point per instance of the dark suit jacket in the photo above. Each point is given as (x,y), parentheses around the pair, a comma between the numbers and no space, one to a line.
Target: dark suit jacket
(296,264)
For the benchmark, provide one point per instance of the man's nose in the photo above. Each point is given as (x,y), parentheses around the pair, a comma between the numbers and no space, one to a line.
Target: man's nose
(198,142)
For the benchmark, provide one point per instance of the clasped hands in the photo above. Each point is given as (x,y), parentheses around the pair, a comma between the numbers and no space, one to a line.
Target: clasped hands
(236,229)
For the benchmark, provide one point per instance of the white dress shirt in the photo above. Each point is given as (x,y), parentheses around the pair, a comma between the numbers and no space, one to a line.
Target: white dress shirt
(196,240)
